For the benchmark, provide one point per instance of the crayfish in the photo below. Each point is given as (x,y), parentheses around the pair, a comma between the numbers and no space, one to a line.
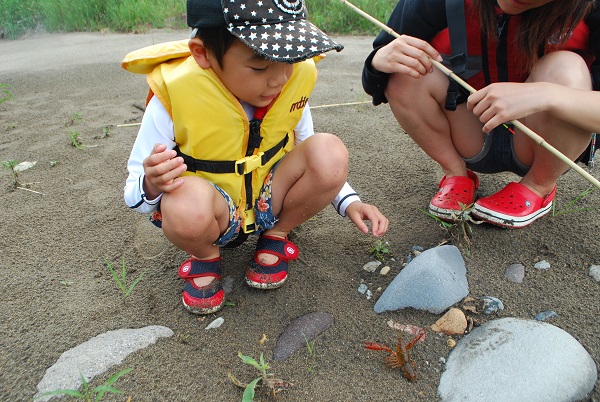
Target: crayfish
(399,357)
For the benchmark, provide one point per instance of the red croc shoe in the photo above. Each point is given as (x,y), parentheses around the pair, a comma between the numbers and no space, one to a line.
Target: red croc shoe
(202,299)
(454,195)
(515,206)
(261,276)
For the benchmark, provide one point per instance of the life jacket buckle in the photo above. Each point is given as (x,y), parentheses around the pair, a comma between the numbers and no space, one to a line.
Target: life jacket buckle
(249,221)
(248,164)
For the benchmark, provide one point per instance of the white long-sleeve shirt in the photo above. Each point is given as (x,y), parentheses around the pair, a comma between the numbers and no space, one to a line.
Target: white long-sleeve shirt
(157,128)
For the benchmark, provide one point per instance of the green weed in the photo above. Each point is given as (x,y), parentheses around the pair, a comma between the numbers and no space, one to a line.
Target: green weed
(74,138)
(335,17)
(274,385)
(5,94)
(310,346)
(11,165)
(89,395)
(460,230)
(380,250)
(569,208)
(122,280)
(19,17)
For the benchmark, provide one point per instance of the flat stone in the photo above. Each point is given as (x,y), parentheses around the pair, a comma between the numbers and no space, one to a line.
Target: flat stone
(302,329)
(511,359)
(432,281)
(97,355)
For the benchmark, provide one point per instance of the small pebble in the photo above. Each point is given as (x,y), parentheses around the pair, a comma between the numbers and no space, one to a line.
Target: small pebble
(385,270)
(544,315)
(371,266)
(515,273)
(451,343)
(228,283)
(215,323)
(362,289)
(417,248)
(492,305)
(442,360)
(369,294)
(542,265)
(595,272)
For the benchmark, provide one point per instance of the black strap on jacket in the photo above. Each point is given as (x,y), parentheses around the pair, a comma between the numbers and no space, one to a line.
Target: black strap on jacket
(239,167)
(460,62)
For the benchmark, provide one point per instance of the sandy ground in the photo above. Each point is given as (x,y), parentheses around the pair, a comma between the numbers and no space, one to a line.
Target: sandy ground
(57,293)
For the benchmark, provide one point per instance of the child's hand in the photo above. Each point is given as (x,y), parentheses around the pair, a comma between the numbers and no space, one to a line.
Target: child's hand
(358,212)
(162,170)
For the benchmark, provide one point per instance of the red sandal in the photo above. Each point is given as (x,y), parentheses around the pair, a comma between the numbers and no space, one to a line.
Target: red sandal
(204,299)
(515,206)
(455,195)
(261,276)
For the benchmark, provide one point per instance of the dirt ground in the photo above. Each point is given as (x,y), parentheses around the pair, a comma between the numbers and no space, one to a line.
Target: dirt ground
(57,292)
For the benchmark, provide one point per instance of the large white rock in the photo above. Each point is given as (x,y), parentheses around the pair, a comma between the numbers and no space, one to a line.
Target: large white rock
(95,356)
(432,281)
(510,359)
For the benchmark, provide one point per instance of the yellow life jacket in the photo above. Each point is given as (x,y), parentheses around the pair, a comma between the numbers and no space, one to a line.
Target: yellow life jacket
(212,131)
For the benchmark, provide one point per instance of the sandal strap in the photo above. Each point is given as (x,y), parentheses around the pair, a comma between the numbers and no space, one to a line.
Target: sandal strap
(195,268)
(282,248)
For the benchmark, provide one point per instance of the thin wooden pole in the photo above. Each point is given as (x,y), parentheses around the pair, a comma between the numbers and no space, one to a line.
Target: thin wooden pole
(530,133)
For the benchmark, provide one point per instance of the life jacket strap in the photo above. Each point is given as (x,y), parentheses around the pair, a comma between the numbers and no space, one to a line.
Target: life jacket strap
(240,167)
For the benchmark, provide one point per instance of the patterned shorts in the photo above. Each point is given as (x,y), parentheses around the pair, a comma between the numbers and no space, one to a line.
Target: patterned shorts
(265,219)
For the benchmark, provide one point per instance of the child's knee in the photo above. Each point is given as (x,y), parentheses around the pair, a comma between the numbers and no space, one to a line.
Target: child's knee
(332,149)
(564,68)
(188,211)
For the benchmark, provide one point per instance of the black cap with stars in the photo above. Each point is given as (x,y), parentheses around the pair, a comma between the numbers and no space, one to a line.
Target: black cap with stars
(275,29)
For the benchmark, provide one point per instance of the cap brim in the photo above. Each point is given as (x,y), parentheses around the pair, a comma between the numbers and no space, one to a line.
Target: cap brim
(286,42)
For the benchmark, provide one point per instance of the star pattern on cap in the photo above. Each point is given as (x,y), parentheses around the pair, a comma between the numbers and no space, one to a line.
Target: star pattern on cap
(277,29)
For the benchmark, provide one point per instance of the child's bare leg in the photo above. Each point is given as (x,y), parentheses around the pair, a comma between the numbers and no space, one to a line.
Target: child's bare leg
(445,136)
(193,218)
(568,69)
(305,182)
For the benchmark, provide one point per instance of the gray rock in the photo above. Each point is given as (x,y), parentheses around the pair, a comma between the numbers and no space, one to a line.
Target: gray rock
(96,356)
(432,281)
(303,329)
(515,273)
(545,315)
(542,265)
(595,272)
(511,359)
(493,305)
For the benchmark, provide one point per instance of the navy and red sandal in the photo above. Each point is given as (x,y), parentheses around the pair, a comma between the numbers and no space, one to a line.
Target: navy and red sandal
(261,276)
(202,299)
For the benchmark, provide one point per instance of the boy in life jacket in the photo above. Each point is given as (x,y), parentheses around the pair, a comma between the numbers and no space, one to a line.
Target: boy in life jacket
(226,147)
(537,61)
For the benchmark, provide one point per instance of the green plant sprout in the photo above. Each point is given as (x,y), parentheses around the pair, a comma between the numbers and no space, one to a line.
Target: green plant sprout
(274,385)
(569,207)
(5,94)
(11,165)
(105,133)
(74,118)
(460,229)
(380,250)
(310,346)
(122,280)
(75,141)
(88,395)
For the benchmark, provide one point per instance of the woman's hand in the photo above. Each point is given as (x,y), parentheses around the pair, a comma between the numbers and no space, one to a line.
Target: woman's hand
(406,55)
